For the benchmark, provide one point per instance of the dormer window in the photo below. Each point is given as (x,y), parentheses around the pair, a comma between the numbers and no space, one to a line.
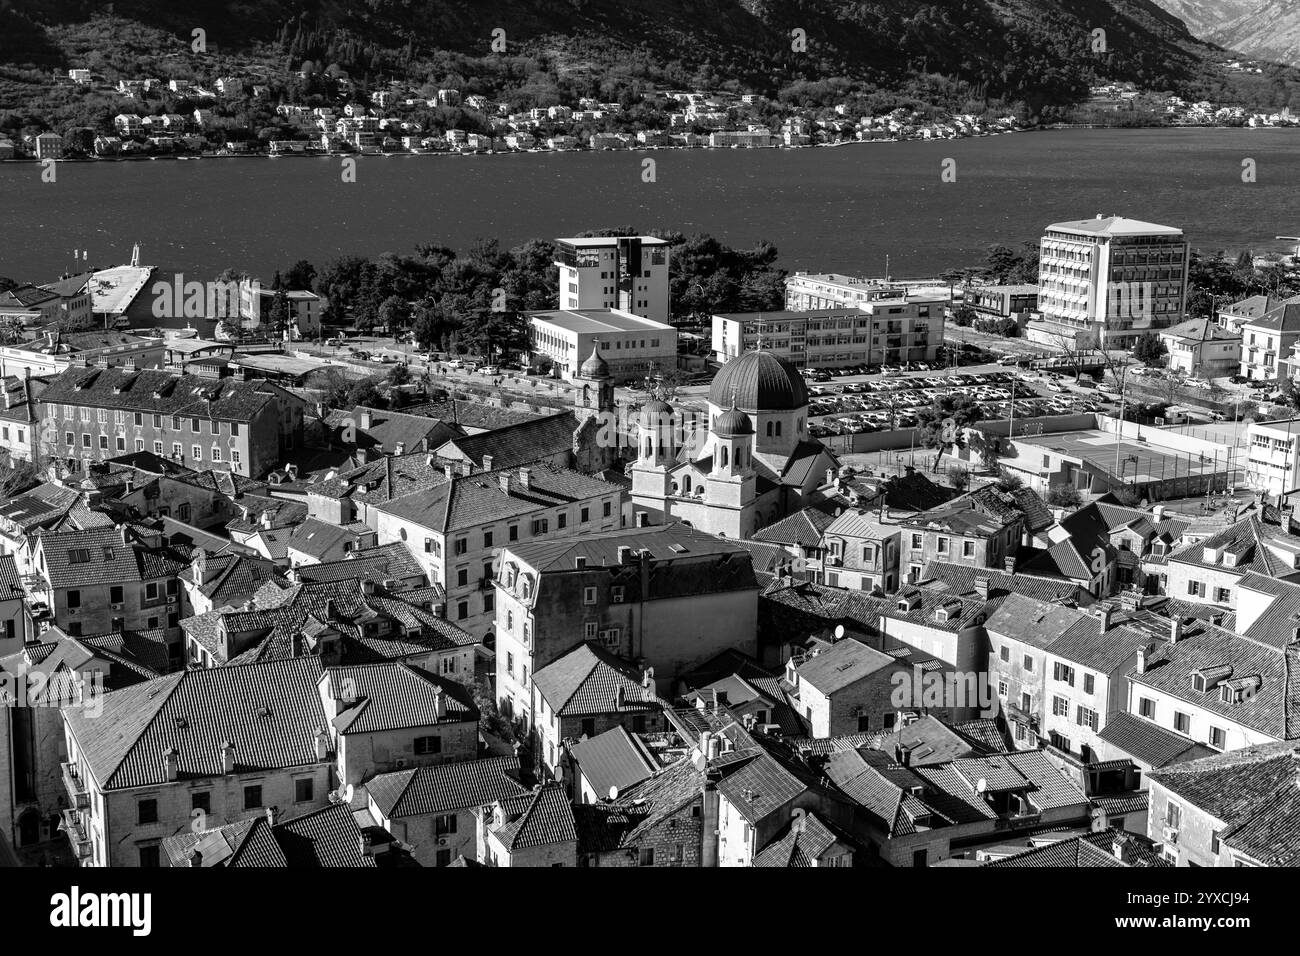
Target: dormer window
(1158,549)
(1198,682)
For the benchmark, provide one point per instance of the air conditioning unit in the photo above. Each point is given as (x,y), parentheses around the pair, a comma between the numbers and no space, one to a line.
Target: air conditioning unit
(116,607)
(1171,835)
(442,841)
(171,599)
(834,561)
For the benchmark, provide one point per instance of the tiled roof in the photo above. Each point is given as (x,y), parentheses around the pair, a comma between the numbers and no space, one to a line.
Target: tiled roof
(600,548)
(389,561)
(929,740)
(639,809)
(758,784)
(1241,788)
(1033,622)
(844,663)
(468,501)
(541,817)
(388,429)
(160,392)
(95,556)
(515,444)
(1062,560)
(143,651)
(1148,743)
(1092,850)
(328,837)
(1088,646)
(445,787)
(470,414)
(800,844)
(395,696)
(960,579)
(614,759)
(316,538)
(803,528)
(1271,710)
(11,584)
(588,679)
(1248,539)
(271,713)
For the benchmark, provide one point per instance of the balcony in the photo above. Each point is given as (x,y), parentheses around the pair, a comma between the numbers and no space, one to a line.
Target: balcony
(485,584)
(77,835)
(78,795)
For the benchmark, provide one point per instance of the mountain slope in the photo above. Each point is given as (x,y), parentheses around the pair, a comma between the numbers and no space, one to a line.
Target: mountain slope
(1037,52)
(1268,29)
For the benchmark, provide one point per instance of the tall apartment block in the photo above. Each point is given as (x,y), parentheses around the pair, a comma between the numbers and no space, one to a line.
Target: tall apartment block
(1109,280)
(629,273)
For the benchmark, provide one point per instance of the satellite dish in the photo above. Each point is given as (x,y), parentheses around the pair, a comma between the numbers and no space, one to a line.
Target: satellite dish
(613,792)
(839,631)
(981,785)
(347,793)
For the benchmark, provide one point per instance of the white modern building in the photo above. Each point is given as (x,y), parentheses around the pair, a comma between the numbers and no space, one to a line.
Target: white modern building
(1270,456)
(631,345)
(628,273)
(1111,279)
(885,331)
(805,291)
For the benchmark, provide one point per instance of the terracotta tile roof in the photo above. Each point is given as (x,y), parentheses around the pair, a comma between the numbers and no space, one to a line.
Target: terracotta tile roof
(395,696)
(844,663)
(446,787)
(328,837)
(588,680)
(160,392)
(1148,743)
(514,444)
(541,817)
(1035,623)
(1242,786)
(271,713)
(803,528)
(639,809)
(467,501)
(95,556)
(389,561)
(1093,850)
(799,846)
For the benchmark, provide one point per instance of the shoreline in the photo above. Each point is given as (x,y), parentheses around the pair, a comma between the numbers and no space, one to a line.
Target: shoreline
(1055,127)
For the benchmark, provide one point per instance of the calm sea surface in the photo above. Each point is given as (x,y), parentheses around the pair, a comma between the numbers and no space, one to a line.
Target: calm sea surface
(838,209)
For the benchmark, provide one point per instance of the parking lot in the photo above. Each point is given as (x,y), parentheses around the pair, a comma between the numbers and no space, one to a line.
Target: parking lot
(854,404)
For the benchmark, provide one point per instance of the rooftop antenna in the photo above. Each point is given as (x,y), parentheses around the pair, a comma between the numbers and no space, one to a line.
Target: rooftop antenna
(135,256)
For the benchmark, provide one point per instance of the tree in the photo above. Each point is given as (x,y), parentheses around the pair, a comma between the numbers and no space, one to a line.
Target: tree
(959,477)
(1149,349)
(941,425)
(300,275)
(1128,497)
(1009,481)
(394,314)
(1064,496)
(399,374)
(278,318)
(964,316)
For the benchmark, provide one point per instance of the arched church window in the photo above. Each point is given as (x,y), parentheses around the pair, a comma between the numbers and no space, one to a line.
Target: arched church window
(686,484)
(724,456)
(769,429)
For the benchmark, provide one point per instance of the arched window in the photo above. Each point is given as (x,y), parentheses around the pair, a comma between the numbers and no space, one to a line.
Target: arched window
(686,484)
(769,429)
(675,488)
(649,448)
(724,456)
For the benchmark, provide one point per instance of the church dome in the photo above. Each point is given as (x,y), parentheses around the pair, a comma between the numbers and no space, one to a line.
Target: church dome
(759,382)
(595,367)
(733,424)
(654,413)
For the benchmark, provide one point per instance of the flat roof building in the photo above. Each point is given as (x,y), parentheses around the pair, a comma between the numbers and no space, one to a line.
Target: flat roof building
(1114,277)
(627,273)
(631,345)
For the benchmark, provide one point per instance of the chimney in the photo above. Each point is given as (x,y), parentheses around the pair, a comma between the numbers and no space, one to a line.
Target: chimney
(271,814)
(830,476)
(399,448)
(171,763)
(439,703)
(642,518)
(1104,612)
(982,587)
(1158,512)
(1058,514)
(464,468)
(367,843)
(1175,629)
(448,471)
(1120,847)
(265,519)
(487,462)
(361,456)
(429,460)
(129,484)
(227,757)
(1142,654)
(366,419)
(624,554)
(367,587)
(620,698)
(503,479)
(579,561)
(526,477)
(1009,563)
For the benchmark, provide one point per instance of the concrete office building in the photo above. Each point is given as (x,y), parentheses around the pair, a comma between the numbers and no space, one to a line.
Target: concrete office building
(627,273)
(632,346)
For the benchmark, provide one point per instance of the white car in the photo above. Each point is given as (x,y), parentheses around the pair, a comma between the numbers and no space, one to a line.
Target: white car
(490,370)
